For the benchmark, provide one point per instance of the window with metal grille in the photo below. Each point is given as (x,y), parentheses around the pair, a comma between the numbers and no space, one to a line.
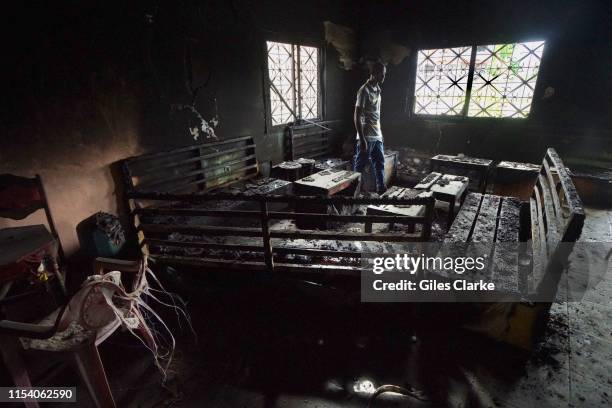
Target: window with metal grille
(293,78)
(496,81)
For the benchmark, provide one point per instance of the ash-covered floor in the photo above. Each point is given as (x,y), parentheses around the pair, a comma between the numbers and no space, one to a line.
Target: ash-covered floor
(282,344)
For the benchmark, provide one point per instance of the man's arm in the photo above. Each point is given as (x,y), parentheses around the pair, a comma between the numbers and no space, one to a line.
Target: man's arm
(359,128)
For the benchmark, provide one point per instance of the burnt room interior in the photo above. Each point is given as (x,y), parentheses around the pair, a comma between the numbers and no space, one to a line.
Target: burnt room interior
(194,196)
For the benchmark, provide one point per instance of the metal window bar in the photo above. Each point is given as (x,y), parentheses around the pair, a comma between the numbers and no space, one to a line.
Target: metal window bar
(511,96)
(299,83)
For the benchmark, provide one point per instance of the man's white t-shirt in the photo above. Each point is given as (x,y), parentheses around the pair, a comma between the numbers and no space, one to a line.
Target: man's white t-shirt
(368,99)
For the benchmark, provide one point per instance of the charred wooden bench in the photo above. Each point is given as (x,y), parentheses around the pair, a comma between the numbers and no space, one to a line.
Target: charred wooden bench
(193,169)
(307,141)
(263,242)
(548,225)
(187,208)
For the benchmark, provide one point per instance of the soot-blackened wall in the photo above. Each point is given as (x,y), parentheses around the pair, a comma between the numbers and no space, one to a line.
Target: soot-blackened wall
(91,84)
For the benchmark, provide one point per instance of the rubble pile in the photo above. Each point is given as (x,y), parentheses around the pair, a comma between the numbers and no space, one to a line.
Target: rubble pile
(412,164)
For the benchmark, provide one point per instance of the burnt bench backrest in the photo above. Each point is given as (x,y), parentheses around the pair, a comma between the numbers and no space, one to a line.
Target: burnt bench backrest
(307,141)
(557,216)
(549,223)
(191,169)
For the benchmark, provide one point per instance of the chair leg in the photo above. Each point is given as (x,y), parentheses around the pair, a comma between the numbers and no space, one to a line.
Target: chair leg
(451,214)
(91,371)
(9,351)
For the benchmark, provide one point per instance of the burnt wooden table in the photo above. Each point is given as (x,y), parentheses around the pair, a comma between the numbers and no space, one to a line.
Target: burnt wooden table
(476,169)
(515,179)
(326,183)
(415,211)
(446,187)
(368,179)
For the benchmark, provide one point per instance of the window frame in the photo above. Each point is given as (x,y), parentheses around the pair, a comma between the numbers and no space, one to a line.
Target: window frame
(463,116)
(266,79)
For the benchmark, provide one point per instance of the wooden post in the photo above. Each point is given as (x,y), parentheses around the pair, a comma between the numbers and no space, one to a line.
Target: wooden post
(265,233)
(429,210)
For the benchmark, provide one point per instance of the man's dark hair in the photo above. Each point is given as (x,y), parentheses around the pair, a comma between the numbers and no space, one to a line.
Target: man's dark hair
(376,66)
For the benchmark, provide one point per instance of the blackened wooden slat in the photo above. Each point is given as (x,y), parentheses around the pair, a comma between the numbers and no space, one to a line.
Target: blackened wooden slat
(552,223)
(185,149)
(463,225)
(486,222)
(505,268)
(539,246)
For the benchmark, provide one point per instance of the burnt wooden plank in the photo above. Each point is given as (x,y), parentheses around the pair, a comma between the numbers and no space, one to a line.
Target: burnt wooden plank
(156,168)
(539,222)
(463,225)
(212,263)
(237,174)
(319,139)
(201,229)
(505,266)
(317,252)
(196,212)
(203,245)
(538,241)
(338,199)
(384,217)
(571,195)
(553,237)
(315,155)
(345,236)
(555,196)
(313,152)
(165,153)
(428,181)
(321,270)
(486,222)
(184,175)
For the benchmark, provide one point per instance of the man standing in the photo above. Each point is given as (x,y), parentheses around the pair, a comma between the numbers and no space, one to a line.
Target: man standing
(369,146)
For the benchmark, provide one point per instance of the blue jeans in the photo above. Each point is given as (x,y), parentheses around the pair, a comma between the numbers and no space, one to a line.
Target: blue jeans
(374,156)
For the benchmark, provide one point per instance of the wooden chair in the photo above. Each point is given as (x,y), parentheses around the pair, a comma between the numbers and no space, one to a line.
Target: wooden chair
(22,196)
(83,355)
